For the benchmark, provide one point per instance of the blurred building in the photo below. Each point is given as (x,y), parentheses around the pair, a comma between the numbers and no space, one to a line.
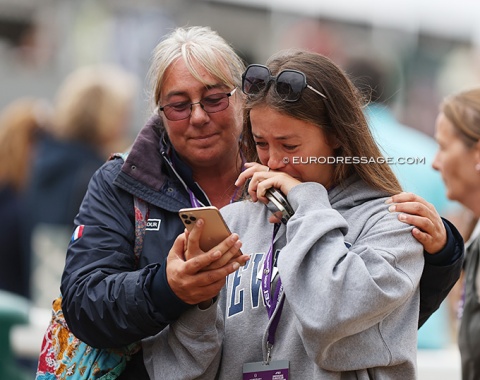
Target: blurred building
(42,40)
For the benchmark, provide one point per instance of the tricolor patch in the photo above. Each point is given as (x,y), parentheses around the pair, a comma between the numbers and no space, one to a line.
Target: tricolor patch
(78,232)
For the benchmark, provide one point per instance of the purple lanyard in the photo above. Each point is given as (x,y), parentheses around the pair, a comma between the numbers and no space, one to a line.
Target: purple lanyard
(193,199)
(196,203)
(277,301)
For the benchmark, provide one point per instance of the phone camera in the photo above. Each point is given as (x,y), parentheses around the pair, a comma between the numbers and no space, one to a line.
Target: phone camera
(189,219)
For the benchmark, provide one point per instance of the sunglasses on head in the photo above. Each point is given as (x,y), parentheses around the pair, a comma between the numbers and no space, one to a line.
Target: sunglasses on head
(289,84)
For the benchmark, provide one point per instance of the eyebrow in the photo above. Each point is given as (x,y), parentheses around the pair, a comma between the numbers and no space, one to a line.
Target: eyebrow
(276,138)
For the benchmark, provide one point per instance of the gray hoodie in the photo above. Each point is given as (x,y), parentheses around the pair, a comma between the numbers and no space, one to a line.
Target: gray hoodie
(350,272)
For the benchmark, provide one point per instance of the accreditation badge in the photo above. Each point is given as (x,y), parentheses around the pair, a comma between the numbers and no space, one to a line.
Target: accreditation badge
(275,370)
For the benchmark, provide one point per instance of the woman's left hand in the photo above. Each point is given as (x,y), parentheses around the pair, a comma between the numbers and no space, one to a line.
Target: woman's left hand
(429,228)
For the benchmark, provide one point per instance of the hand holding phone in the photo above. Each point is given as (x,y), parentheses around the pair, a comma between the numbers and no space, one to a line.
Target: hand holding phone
(215,229)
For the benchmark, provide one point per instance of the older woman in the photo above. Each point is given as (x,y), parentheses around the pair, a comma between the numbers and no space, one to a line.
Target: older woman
(458,160)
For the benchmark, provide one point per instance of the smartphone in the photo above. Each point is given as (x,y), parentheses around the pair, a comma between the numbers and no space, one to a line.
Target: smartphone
(215,229)
(278,205)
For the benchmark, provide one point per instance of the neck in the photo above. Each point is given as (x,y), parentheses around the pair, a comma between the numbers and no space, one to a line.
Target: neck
(219,182)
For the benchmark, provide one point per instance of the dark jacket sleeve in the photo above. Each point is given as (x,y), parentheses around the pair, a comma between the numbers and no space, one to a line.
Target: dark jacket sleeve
(107,302)
(440,273)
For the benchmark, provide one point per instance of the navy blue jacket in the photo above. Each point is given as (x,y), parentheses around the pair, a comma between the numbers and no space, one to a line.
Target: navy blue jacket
(107,302)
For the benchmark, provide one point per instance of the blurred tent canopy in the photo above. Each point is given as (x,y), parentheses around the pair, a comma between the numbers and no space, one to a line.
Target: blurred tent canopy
(458,19)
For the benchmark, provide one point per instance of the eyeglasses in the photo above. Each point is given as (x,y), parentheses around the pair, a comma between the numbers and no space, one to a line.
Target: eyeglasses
(289,84)
(210,104)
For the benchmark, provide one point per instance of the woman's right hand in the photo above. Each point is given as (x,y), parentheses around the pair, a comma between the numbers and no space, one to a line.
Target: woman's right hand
(196,276)
(229,248)
(429,228)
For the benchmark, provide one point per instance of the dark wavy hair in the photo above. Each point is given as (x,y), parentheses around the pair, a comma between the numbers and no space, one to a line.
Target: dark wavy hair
(340,116)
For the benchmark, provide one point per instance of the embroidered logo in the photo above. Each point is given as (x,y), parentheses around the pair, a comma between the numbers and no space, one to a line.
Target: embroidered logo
(153,224)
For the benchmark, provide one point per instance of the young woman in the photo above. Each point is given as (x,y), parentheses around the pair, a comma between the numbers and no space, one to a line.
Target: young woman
(332,292)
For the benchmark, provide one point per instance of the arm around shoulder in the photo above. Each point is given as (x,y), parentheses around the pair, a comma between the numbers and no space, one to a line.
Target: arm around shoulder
(441,272)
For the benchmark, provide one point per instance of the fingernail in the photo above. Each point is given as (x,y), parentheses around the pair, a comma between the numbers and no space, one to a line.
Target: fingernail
(236,266)
(199,222)
(402,217)
(392,208)
(389,200)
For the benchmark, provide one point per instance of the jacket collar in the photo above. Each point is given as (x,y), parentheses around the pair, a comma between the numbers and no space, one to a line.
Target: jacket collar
(153,161)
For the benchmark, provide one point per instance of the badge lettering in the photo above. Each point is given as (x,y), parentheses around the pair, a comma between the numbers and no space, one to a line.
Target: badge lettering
(153,224)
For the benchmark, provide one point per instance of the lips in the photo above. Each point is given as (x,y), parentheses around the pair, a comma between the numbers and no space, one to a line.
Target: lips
(204,137)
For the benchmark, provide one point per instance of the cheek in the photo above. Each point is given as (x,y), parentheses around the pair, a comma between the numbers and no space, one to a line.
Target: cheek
(263,156)
(455,175)
(175,130)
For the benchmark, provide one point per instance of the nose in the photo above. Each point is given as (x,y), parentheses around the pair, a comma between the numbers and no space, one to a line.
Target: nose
(277,160)
(436,162)
(198,114)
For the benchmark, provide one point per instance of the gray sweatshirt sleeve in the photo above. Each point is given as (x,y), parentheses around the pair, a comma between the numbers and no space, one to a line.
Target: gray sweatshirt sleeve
(189,348)
(356,288)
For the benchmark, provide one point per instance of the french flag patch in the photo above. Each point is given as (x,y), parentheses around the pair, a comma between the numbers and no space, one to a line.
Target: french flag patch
(77,234)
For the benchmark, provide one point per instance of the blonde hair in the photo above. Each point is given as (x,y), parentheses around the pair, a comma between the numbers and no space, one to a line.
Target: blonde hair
(197,46)
(92,103)
(463,111)
(20,123)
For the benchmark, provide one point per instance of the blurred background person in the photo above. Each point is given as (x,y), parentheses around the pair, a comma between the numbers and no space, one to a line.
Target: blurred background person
(458,161)
(20,125)
(92,117)
(379,82)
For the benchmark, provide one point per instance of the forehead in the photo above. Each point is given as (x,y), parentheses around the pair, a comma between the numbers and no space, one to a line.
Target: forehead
(444,127)
(269,123)
(181,78)
(179,71)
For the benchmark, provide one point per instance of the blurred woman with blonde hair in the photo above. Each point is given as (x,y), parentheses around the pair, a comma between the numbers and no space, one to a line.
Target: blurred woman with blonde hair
(20,123)
(92,115)
(91,118)
(94,106)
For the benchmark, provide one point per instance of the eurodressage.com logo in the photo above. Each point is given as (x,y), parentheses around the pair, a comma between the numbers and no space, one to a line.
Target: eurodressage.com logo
(297,160)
